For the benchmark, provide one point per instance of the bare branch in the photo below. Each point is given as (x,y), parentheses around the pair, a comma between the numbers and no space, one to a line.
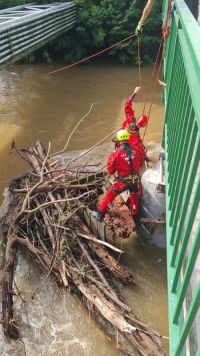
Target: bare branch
(59,201)
(92,239)
(69,138)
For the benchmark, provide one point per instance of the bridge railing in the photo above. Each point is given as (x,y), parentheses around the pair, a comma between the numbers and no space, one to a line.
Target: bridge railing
(182,146)
(22,36)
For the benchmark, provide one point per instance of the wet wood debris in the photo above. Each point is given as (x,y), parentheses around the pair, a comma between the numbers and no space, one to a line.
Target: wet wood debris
(44,218)
(118,217)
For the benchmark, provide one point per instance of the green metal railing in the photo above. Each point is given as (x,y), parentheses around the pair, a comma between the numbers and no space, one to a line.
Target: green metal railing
(182,147)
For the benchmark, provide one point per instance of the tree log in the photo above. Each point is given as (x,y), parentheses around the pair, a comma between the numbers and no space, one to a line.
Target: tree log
(108,260)
(142,343)
(9,325)
(40,225)
(54,187)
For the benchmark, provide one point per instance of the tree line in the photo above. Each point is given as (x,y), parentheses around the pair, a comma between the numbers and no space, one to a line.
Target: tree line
(101,23)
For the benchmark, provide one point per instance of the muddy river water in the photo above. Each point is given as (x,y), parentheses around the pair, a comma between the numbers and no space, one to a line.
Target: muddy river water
(34,105)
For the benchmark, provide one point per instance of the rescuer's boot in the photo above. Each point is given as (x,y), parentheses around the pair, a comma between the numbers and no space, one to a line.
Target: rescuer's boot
(98,215)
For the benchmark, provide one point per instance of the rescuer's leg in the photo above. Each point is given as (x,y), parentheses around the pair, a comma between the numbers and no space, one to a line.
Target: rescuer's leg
(108,198)
(134,204)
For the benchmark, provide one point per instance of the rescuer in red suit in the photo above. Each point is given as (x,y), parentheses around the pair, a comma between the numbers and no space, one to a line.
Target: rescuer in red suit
(133,125)
(126,161)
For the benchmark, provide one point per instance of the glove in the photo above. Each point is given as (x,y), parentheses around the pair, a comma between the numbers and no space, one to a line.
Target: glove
(139,29)
(165,31)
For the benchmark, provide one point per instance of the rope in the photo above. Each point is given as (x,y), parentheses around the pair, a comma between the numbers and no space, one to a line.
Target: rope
(152,75)
(163,39)
(93,55)
(139,63)
(154,91)
(168,13)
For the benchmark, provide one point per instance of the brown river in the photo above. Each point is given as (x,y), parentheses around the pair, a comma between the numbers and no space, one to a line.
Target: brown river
(35,105)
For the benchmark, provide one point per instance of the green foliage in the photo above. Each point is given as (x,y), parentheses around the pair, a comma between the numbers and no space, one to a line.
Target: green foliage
(100,24)
(29,59)
(104,22)
(10,3)
(47,57)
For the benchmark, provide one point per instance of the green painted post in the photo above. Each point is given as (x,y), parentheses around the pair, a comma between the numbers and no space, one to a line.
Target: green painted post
(176,202)
(186,184)
(187,276)
(188,321)
(198,352)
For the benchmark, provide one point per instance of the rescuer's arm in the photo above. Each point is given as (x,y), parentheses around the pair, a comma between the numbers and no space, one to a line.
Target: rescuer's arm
(144,16)
(129,112)
(132,96)
(142,150)
(112,163)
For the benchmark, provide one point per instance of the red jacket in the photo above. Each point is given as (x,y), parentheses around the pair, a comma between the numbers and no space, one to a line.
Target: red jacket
(129,112)
(129,121)
(118,161)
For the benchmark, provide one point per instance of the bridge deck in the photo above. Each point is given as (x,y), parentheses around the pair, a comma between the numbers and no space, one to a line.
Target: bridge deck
(24,29)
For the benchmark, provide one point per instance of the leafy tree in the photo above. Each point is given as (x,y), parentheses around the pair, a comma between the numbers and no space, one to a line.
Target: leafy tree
(104,22)
(101,23)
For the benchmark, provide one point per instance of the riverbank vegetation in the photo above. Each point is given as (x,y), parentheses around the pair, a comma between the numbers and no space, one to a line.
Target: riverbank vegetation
(101,23)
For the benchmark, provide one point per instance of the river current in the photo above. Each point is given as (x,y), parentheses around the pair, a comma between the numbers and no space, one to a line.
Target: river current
(35,105)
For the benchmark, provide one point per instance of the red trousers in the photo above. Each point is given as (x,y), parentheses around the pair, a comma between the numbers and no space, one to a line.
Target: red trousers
(117,188)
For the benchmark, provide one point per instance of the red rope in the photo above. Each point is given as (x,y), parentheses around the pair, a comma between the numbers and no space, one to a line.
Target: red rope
(168,12)
(93,55)
(152,75)
(163,38)
(139,63)
(165,29)
(154,91)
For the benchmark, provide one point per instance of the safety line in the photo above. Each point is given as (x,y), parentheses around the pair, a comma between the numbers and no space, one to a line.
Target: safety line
(93,55)
(154,91)
(163,40)
(152,75)
(139,64)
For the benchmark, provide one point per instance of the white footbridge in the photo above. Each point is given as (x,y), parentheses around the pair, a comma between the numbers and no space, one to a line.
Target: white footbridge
(23,29)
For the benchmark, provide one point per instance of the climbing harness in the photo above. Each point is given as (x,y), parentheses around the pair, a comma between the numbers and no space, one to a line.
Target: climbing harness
(133,179)
(129,152)
(129,179)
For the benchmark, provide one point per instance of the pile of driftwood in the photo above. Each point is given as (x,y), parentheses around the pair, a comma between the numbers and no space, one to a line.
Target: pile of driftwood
(44,218)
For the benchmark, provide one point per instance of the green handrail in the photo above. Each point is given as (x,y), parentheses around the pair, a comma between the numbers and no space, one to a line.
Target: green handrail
(182,147)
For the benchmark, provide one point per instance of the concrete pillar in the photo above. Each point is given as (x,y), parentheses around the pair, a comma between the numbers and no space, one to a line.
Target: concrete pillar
(153,204)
